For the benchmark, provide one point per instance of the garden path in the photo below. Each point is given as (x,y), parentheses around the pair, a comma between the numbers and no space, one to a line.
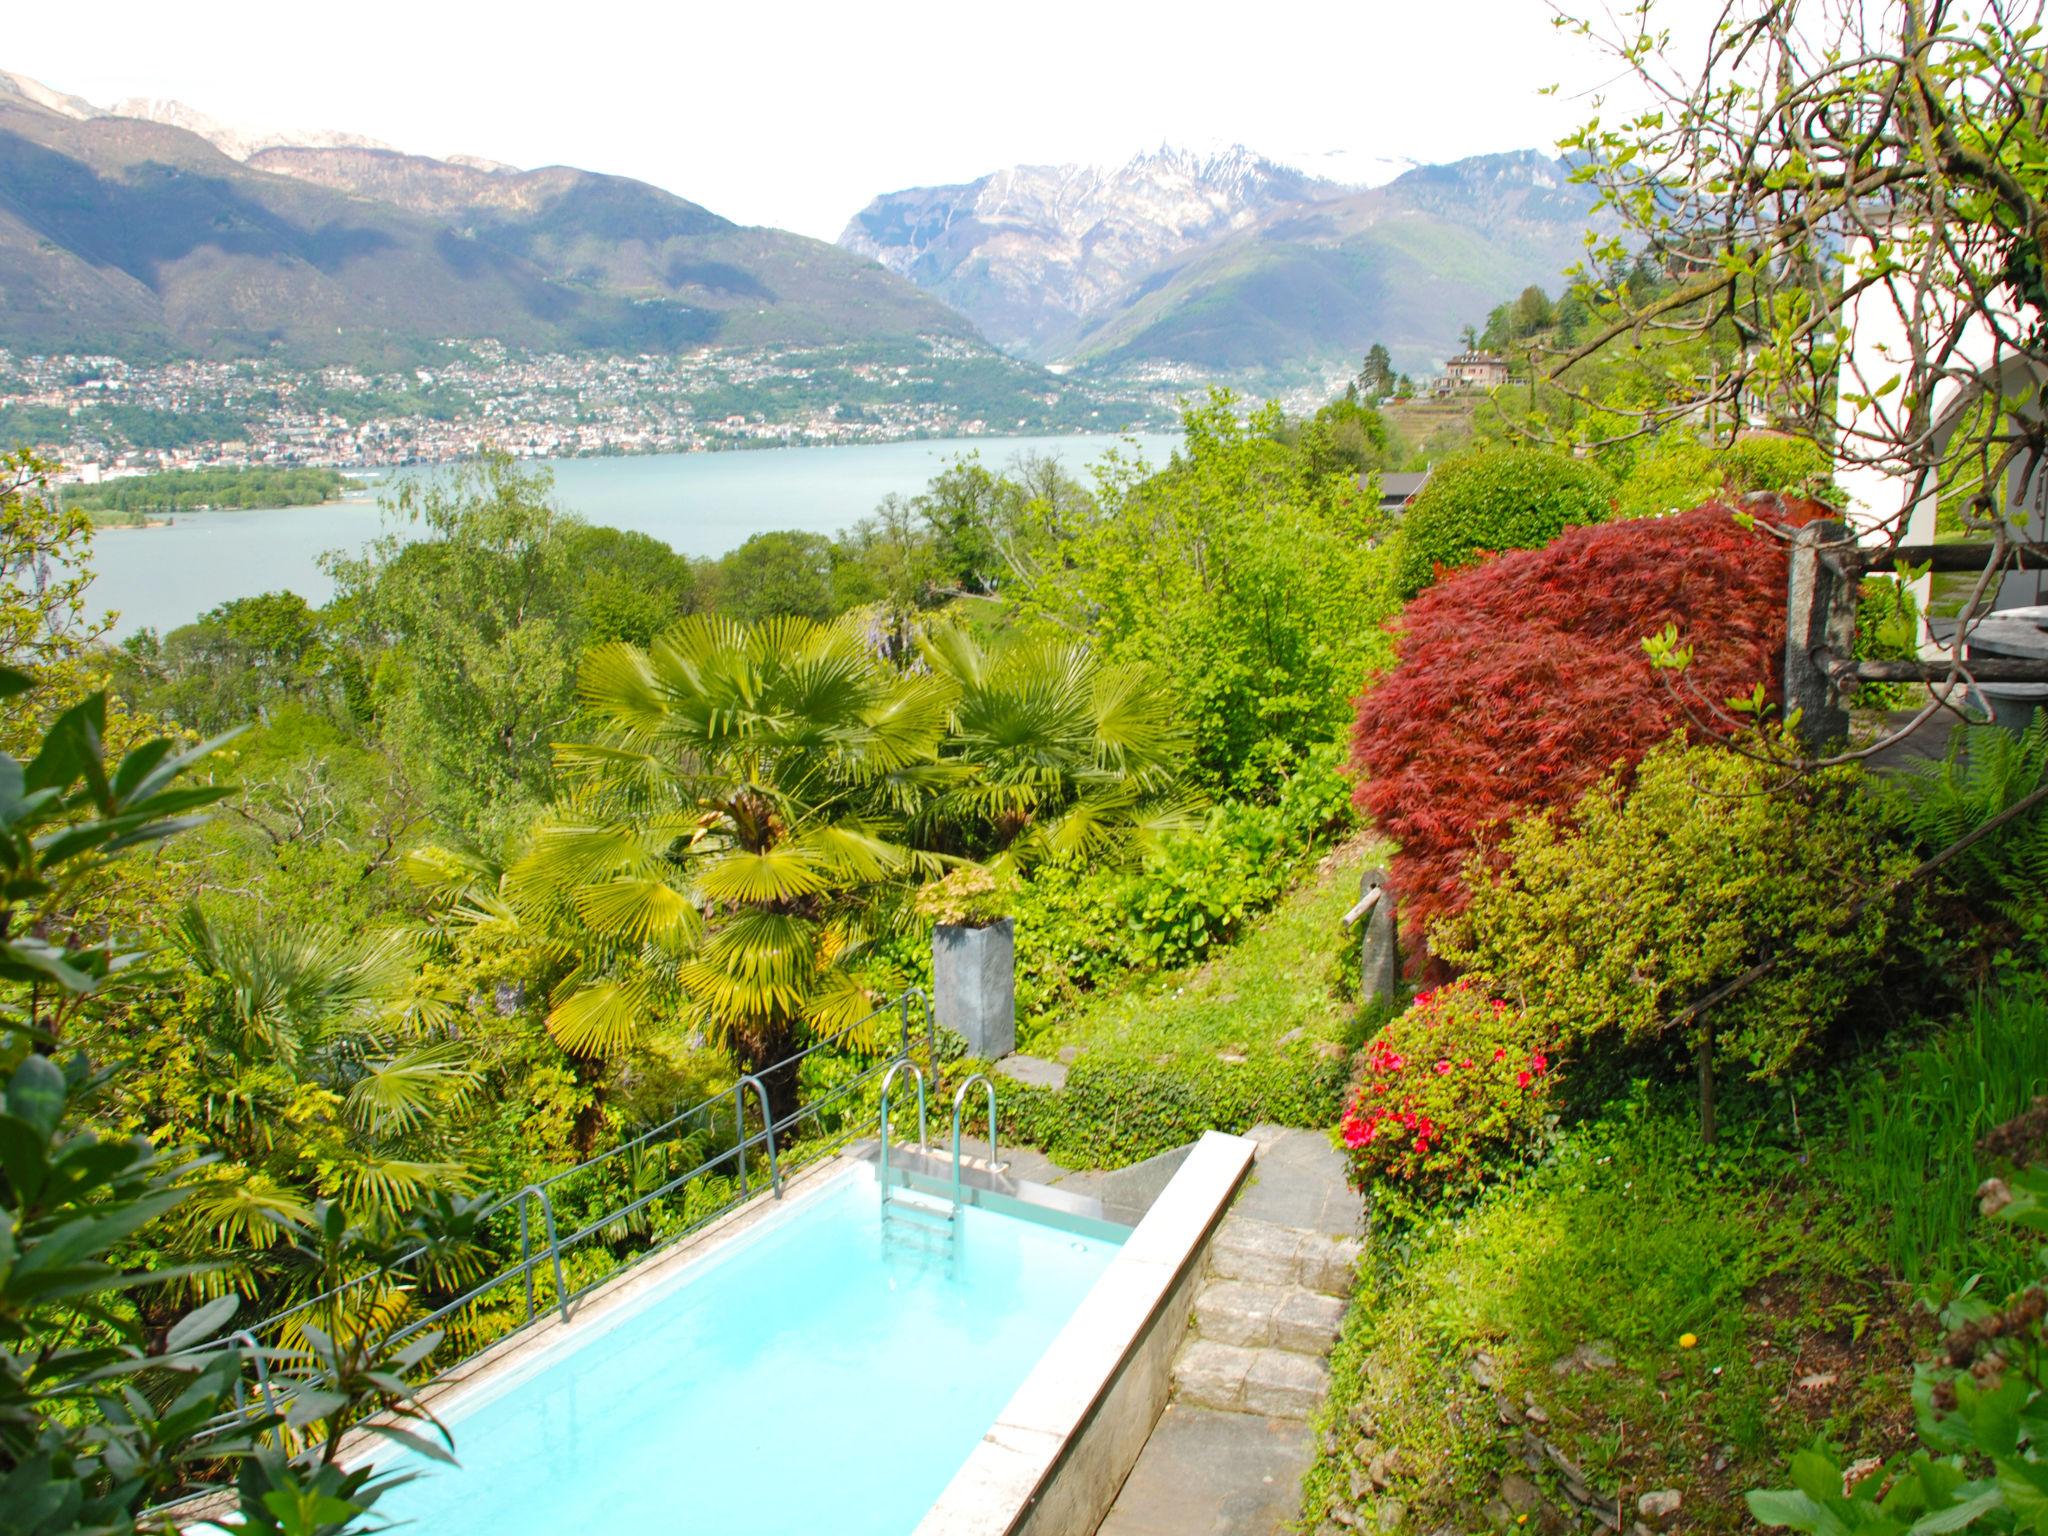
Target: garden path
(1228,1454)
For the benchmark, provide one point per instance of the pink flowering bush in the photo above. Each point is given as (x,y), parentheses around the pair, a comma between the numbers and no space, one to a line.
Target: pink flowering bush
(1454,1087)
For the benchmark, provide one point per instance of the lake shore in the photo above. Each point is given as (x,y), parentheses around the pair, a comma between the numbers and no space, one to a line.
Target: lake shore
(700,504)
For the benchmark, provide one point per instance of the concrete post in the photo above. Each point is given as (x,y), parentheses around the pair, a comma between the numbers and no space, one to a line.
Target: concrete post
(974,985)
(1379,967)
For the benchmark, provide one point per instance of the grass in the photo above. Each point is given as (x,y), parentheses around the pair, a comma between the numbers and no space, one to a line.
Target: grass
(1461,1339)
(1277,979)
(1260,1031)
(1909,1137)
(1796,1261)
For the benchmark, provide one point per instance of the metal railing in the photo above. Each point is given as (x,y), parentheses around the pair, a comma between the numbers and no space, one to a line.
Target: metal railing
(959,1104)
(772,1134)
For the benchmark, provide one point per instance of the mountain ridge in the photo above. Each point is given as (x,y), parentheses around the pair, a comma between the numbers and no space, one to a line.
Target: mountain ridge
(143,238)
(1286,280)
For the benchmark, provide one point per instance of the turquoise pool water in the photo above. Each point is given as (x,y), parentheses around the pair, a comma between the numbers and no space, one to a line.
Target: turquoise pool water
(799,1380)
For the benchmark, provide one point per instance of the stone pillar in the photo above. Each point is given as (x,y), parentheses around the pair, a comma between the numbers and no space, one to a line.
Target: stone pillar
(1379,968)
(974,985)
(1820,613)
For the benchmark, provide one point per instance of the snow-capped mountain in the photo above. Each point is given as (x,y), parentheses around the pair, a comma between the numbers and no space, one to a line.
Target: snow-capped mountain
(236,143)
(1232,265)
(1029,251)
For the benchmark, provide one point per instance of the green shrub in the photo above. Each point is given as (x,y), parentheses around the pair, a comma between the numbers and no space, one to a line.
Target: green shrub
(1788,466)
(1444,1094)
(1887,629)
(1121,1109)
(1495,499)
(1604,926)
(1676,472)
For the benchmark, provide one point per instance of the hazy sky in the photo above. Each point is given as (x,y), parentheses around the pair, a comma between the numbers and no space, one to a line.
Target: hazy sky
(796,114)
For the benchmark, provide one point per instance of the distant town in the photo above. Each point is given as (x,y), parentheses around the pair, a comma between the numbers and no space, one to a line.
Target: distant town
(102,416)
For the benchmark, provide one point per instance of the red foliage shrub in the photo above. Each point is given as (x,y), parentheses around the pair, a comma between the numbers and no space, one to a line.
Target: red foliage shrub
(1522,682)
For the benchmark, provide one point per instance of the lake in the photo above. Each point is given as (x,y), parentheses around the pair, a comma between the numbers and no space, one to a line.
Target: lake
(699,503)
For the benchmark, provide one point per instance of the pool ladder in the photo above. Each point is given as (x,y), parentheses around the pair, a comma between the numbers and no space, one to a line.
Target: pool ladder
(918,1216)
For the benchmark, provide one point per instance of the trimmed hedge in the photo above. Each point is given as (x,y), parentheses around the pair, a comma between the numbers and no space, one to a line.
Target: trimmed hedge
(1117,1110)
(1492,500)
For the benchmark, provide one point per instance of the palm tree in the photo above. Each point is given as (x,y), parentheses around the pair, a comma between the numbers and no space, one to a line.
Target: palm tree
(314,1078)
(1059,754)
(723,837)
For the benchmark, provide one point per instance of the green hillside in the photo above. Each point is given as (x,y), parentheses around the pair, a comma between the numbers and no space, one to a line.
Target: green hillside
(140,239)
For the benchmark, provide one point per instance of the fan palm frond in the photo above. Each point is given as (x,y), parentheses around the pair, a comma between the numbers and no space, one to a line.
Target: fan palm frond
(387,1187)
(403,1092)
(640,911)
(601,1019)
(783,873)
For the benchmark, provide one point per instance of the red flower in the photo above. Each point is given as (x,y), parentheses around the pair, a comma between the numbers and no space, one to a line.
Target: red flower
(1500,1053)
(1442,1067)
(1522,1079)
(1540,1062)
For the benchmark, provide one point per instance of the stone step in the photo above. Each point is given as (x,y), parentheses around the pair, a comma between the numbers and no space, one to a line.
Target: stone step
(1261,1253)
(1284,1317)
(1275,1382)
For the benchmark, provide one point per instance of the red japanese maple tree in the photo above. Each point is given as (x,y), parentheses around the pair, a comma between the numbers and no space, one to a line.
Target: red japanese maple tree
(1522,682)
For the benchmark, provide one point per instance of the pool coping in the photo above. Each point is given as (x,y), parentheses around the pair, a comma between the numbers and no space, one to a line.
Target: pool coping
(1052,1462)
(1054,1459)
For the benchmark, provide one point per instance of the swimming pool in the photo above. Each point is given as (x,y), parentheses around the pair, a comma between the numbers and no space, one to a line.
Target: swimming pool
(805,1377)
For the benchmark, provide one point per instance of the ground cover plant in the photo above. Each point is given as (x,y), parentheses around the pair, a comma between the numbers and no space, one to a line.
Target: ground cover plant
(1636,1314)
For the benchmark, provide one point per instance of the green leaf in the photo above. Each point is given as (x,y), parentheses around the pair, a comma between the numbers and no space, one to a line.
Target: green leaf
(36,1094)
(1956,1517)
(1792,1509)
(34,960)
(201,1324)
(308,1405)
(419,1444)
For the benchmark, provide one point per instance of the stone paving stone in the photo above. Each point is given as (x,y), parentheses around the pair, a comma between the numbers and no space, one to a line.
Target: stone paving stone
(1329,1265)
(1257,1251)
(1299,1181)
(1208,1473)
(1307,1323)
(1233,1312)
(1227,1457)
(1284,1384)
(1034,1071)
(1212,1375)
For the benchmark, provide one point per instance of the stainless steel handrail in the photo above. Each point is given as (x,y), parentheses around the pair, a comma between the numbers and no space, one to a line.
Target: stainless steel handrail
(901,1006)
(959,1104)
(767,1130)
(255,1351)
(923,1141)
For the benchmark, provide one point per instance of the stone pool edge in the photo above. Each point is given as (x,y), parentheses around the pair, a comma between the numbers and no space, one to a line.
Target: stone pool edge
(1053,1461)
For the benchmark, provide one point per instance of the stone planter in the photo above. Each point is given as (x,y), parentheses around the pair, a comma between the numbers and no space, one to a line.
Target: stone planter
(974,984)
